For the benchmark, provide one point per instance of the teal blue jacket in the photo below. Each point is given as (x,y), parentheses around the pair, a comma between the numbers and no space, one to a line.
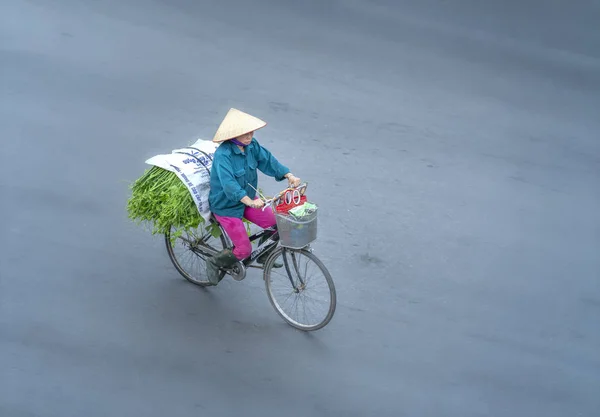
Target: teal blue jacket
(232,173)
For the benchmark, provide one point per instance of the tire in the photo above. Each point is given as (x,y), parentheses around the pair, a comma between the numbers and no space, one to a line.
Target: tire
(191,249)
(294,268)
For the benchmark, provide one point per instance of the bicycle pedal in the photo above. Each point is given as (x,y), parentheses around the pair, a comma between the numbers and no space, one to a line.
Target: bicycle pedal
(238,272)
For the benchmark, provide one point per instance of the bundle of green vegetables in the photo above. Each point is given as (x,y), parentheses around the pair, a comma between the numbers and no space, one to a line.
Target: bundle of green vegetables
(160,199)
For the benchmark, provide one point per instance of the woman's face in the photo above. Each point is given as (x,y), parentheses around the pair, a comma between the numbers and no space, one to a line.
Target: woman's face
(246,139)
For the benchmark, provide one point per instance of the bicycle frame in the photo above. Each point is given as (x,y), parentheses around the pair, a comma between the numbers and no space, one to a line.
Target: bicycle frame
(265,246)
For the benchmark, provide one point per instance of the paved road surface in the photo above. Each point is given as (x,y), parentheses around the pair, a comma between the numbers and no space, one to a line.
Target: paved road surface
(453,147)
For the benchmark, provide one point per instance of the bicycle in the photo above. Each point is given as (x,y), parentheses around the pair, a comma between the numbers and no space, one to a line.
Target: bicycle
(199,246)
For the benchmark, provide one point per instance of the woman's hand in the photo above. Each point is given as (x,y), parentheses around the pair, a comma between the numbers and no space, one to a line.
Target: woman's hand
(257,204)
(293,180)
(253,203)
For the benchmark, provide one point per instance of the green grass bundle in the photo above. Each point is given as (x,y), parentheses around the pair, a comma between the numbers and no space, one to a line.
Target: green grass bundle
(160,199)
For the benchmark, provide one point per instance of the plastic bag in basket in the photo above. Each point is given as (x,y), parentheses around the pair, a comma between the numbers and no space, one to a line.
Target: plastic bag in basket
(303,210)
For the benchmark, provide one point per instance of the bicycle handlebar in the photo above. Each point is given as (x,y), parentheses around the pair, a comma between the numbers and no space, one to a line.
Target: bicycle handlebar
(301,188)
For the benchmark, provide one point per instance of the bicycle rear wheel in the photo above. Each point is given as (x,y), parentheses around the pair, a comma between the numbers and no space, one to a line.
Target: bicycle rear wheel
(302,291)
(191,251)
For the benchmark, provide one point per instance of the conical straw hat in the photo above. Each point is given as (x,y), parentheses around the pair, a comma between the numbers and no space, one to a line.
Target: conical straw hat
(237,123)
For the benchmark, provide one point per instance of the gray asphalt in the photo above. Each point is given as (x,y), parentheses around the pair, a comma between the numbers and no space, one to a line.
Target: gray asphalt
(452,146)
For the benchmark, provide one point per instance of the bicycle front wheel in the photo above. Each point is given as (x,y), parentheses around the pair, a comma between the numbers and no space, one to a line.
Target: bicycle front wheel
(302,290)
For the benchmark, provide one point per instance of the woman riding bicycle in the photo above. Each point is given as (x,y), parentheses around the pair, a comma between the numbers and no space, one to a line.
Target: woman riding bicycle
(233,181)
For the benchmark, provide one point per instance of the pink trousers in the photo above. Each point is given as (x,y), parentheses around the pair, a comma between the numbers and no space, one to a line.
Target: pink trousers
(236,230)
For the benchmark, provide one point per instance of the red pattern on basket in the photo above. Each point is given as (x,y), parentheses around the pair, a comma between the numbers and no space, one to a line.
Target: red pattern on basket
(284,208)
